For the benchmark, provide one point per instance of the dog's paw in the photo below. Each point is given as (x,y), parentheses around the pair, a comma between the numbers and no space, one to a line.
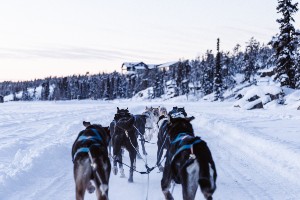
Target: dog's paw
(130,180)
(161,168)
(90,188)
(138,156)
(122,174)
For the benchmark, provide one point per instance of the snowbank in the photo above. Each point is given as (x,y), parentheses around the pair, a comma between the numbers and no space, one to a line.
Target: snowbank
(257,96)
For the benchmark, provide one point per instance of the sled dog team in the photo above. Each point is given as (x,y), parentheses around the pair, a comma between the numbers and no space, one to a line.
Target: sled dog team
(188,160)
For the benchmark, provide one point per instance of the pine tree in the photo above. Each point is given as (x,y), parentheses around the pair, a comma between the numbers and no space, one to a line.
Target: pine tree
(45,91)
(237,59)
(112,88)
(217,75)
(208,72)
(107,88)
(285,44)
(227,71)
(34,94)
(251,66)
(25,95)
(297,76)
(186,75)
(178,79)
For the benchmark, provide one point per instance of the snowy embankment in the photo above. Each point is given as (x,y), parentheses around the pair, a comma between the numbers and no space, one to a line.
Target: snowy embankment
(257,152)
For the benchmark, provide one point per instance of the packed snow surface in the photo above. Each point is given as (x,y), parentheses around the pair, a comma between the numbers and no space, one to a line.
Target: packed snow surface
(257,152)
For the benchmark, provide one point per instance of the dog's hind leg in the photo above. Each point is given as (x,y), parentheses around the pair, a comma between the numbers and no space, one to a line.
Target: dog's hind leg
(160,151)
(132,156)
(166,183)
(117,151)
(82,175)
(138,155)
(190,177)
(122,174)
(143,145)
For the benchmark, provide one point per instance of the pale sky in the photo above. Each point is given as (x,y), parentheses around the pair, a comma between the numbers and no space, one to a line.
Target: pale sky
(40,38)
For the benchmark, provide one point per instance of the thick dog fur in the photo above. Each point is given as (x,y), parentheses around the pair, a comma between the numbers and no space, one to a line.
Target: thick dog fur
(124,137)
(84,173)
(190,167)
(151,122)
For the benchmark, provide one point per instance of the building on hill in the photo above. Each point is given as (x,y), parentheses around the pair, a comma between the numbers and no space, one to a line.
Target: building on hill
(134,67)
(130,68)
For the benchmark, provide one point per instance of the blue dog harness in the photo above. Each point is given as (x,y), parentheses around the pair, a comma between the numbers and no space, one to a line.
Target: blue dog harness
(180,139)
(82,138)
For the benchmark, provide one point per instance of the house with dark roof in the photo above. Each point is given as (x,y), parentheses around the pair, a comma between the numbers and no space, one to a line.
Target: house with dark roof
(130,68)
(134,67)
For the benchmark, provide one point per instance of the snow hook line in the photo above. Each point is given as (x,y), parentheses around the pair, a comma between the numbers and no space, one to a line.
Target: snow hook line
(148,169)
(146,141)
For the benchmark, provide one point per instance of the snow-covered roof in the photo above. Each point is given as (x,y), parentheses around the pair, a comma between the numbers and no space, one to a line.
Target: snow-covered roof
(140,67)
(152,66)
(168,64)
(136,65)
(130,64)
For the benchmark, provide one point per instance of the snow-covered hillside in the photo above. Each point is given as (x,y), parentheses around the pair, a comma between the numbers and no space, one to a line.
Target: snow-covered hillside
(257,152)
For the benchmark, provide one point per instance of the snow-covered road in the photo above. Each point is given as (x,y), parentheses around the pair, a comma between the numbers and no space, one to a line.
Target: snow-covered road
(257,153)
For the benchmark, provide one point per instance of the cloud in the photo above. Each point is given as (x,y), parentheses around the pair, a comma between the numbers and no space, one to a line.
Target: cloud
(81,53)
(61,53)
(258,32)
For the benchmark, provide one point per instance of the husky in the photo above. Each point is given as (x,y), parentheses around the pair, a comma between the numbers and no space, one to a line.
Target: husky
(189,161)
(163,139)
(124,137)
(151,121)
(91,161)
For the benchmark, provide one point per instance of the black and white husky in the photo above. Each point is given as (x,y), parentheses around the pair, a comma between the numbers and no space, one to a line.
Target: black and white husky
(189,162)
(91,161)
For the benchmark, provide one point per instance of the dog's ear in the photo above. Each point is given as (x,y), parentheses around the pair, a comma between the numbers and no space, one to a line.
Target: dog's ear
(86,124)
(189,119)
(171,119)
